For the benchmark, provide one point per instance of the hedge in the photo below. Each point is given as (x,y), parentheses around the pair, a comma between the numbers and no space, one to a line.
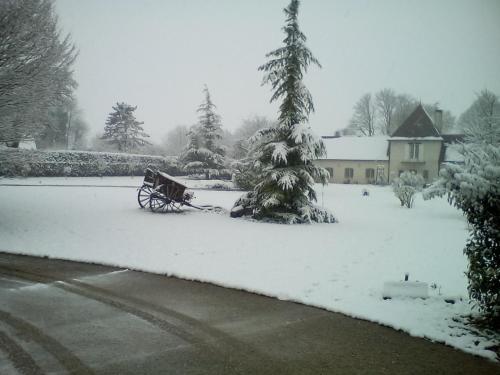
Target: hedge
(27,163)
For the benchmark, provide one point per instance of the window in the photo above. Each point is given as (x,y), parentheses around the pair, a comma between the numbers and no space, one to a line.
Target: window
(414,149)
(330,171)
(380,179)
(426,174)
(348,173)
(370,173)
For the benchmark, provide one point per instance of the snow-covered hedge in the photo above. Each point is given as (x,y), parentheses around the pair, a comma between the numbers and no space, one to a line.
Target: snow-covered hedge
(15,162)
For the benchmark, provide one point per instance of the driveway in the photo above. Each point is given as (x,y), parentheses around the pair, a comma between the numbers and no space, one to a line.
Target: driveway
(68,317)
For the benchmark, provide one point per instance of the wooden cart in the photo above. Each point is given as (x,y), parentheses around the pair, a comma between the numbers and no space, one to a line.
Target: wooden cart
(162,192)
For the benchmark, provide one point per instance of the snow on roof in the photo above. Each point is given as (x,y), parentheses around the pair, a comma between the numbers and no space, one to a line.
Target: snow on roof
(418,124)
(416,138)
(452,153)
(356,148)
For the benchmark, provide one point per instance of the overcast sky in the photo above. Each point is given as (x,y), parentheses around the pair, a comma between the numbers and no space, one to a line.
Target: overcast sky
(158,54)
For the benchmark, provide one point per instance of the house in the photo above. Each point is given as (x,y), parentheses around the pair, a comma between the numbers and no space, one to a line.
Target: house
(356,160)
(415,146)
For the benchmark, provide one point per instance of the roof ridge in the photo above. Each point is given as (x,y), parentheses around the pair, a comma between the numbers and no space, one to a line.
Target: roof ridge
(409,129)
(431,118)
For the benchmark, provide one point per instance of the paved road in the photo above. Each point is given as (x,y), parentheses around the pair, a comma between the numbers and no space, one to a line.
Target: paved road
(66,317)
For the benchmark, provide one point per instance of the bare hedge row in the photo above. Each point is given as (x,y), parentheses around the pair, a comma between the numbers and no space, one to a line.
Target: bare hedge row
(15,162)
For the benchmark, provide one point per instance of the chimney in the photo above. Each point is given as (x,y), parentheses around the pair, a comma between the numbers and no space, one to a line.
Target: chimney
(338,134)
(438,119)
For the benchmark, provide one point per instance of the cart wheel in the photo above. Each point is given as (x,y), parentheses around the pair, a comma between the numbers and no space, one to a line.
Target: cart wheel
(143,195)
(173,206)
(156,203)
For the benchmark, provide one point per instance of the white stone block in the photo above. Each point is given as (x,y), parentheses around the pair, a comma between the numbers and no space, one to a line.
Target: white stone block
(412,289)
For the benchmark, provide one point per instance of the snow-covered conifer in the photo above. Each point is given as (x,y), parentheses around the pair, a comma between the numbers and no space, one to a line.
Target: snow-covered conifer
(203,153)
(285,152)
(191,157)
(123,129)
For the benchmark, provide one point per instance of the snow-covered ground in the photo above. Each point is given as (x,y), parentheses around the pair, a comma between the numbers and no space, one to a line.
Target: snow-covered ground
(339,267)
(123,181)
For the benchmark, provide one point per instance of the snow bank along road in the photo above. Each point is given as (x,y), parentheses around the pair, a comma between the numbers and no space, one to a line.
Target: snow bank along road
(68,317)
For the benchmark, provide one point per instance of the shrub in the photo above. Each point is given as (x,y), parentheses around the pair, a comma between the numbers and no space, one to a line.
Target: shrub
(220,186)
(406,186)
(246,174)
(475,189)
(26,163)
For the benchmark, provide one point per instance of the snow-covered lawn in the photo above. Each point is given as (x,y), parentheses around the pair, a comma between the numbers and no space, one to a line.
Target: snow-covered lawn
(124,181)
(340,267)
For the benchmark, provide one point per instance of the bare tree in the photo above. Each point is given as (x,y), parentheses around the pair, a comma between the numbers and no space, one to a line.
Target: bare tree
(363,119)
(78,135)
(175,140)
(247,129)
(447,121)
(66,128)
(405,105)
(481,121)
(388,110)
(35,67)
(386,102)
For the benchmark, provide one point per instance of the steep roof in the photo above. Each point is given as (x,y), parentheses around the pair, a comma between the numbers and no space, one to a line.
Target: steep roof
(418,125)
(356,148)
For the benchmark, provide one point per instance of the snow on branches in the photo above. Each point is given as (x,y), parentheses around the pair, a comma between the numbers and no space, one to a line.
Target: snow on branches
(285,152)
(474,187)
(286,176)
(203,153)
(406,186)
(35,68)
(123,129)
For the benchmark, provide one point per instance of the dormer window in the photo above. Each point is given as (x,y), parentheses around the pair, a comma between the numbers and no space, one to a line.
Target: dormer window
(414,149)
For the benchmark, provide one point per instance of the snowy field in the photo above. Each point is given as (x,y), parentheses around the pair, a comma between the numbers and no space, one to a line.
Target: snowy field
(106,181)
(340,267)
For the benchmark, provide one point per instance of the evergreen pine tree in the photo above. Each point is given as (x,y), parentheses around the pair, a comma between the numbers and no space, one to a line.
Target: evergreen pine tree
(285,152)
(191,156)
(123,130)
(204,154)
